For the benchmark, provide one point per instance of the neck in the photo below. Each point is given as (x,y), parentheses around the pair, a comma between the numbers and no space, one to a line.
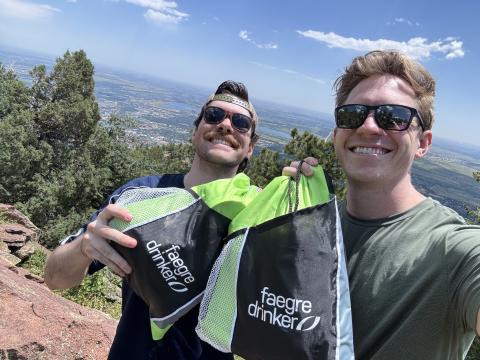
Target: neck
(203,172)
(373,201)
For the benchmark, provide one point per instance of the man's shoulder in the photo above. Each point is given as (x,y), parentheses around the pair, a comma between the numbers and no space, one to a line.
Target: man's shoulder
(441,214)
(439,223)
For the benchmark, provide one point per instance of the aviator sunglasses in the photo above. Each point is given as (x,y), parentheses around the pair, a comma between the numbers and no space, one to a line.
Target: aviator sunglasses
(215,115)
(387,116)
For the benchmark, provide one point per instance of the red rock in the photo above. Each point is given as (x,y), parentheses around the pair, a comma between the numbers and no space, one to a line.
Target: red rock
(16,216)
(35,323)
(16,235)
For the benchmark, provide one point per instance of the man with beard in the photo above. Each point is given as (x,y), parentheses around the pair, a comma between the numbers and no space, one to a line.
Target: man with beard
(413,264)
(223,141)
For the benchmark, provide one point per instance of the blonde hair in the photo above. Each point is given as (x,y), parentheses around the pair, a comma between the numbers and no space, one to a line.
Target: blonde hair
(381,62)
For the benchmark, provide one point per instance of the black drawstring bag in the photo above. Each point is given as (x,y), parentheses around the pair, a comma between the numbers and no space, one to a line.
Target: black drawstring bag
(279,289)
(179,234)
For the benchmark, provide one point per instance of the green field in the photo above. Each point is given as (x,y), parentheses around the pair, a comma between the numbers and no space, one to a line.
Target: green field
(449,182)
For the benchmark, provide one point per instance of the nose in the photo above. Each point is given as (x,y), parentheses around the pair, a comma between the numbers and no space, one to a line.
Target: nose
(226,125)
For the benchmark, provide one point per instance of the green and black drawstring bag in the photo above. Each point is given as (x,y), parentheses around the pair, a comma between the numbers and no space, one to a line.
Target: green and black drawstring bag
(179,234)
(279,289)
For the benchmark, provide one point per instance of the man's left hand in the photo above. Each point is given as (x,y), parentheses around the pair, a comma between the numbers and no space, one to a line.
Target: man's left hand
(306,167)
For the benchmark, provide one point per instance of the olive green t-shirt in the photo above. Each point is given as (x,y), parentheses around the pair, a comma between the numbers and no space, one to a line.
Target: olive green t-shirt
(414,283)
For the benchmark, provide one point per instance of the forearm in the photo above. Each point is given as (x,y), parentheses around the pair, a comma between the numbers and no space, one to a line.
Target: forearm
(66,266)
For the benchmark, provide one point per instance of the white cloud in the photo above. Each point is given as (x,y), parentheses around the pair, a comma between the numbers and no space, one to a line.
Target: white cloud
(288,71)
(161,11)
(25,10)
(245,35)
(161,17)
(403,21)
(418,47)
(159,5)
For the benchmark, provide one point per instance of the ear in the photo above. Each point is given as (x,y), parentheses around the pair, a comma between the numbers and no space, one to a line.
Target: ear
(250,149)
(334,133)
(425,142)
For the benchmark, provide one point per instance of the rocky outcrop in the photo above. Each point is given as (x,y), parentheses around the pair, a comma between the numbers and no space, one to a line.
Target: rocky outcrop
(16,217)
(18,236)
(35,323)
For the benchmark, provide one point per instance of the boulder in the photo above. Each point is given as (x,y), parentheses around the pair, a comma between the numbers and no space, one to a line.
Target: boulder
(4,248)
(25,251)
(10,259)
(18,236)
(15,216)
(35,323)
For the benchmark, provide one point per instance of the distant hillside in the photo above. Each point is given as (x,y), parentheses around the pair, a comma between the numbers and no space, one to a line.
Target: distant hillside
(450,183)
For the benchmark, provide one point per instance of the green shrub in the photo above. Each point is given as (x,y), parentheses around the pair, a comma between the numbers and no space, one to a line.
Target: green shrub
(35,263)
(474,353)
(4,218)
(91,293)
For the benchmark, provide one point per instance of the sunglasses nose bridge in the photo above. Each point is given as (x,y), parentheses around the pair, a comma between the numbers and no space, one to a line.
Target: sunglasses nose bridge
(370,123)
(370,118)
(226,125)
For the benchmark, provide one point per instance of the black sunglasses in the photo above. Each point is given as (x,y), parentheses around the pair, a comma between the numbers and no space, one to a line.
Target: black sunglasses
(387,116)
(215,115)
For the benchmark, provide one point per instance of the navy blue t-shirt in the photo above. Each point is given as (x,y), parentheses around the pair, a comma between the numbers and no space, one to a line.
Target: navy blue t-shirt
(133,339)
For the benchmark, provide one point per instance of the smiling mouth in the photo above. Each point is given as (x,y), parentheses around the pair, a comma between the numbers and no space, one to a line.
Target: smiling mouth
(223,141)
(220,141)
(369,150)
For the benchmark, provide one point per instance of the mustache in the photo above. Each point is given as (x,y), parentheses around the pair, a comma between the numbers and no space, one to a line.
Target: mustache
(212,135)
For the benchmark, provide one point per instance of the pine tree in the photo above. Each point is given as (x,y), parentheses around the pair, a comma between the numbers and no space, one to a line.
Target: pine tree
(307,144)
(58,160)
(475,214)
(262,168)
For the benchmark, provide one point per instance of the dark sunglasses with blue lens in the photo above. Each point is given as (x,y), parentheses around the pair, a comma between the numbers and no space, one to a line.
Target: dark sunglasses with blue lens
(387,116)
(215,115)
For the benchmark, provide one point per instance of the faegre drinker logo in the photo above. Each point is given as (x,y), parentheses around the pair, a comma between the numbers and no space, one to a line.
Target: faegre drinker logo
(174,271)
(288,313)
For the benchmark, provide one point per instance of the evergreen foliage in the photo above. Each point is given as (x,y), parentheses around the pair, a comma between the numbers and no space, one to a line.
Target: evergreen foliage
(264,167)
(475,213)
(307,144)
(58,159)
(474,353)
(164,159)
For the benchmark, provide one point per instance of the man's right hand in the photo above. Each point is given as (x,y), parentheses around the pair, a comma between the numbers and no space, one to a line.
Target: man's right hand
(68,264)
(95,242)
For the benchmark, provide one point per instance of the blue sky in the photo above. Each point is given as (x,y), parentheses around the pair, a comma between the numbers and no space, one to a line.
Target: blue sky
(284,51)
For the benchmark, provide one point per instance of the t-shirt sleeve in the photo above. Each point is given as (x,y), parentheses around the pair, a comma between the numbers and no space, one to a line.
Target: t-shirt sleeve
(463,250)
